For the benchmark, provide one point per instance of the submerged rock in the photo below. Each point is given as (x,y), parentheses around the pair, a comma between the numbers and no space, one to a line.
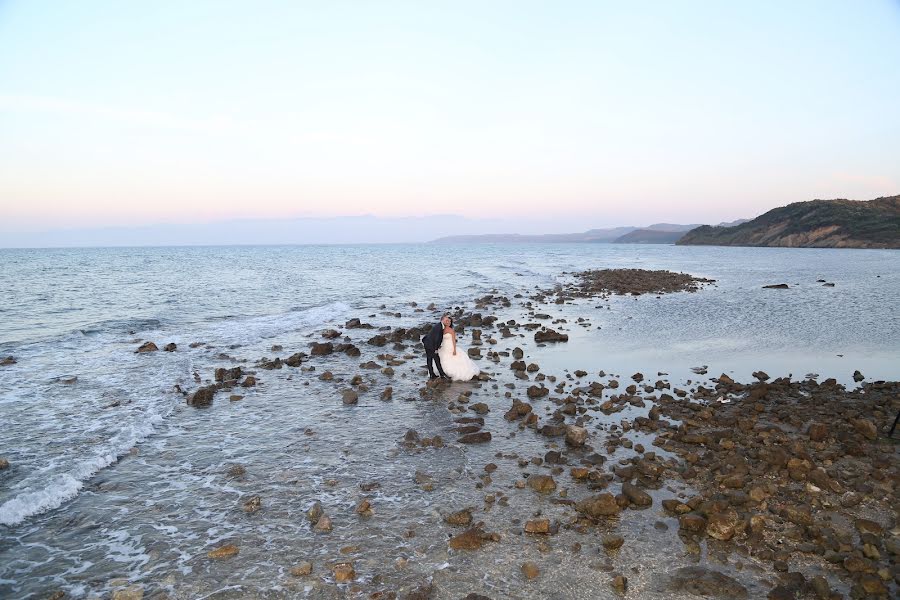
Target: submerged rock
(226,551)
(699,581)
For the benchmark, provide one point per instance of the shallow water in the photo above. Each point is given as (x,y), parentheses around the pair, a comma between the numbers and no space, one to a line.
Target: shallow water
(113,477)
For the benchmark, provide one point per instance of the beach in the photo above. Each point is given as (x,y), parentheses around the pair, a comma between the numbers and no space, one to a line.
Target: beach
(649,423)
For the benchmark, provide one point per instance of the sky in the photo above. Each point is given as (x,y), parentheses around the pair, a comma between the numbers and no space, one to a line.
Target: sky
(577,114)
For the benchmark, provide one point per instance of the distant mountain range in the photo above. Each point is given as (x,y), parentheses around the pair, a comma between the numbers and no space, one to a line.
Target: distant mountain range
(658,233)
(813,224)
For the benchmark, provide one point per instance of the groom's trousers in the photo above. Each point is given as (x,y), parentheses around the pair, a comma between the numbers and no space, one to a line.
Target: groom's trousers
(432,356)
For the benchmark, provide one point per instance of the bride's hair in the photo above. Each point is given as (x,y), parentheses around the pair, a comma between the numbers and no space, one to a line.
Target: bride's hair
(449,318)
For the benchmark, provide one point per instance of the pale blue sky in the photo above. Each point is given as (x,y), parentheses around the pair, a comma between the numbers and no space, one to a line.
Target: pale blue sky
(596,113)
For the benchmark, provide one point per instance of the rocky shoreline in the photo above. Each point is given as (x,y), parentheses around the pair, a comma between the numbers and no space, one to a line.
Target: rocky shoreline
(797,478)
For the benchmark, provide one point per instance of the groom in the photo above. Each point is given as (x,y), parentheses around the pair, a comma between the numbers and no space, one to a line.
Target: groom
(432,341)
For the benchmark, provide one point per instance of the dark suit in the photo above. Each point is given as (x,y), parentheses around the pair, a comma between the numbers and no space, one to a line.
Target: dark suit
(432,342)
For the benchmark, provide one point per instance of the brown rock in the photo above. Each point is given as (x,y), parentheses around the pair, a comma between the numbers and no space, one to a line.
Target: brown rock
(226,551)
(575,435)
(321,349)
(612,542)
(302,570)
(253,504)
(202,396)
(537,526)
(817,432)
(541,483)
(470,539)
(350,397)
(146,347)
(323,525)
(722,525)
(460,517)
(343,572)
(865,428)
(636,495)
(479,437)
(170,347)
(530,570)
(601,505)
(692,522)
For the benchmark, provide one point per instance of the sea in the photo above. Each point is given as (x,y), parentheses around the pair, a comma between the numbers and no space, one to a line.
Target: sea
(114,481)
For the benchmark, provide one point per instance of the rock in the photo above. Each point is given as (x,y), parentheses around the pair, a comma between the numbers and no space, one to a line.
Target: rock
(470,539)
(776,286)
(4,464)
(226,551)
(865,428)
(761,375)
(294,360)
(315,512)
(202,396)
(537,526)
(131,592)
(323,525)
(857,376)
(222,375)
(387,393)
(459,518)
(541,483)
(675,506)
(536,391)
(9,360)
(817,432)
(692,522)
(549,335)
(601,505)
(530,570)
(620,584)
(699,581)
(480,437)
(350,397)
(480,408)
(250,381)
(302,570)
(343,572)
(377,340)
(722,525)
(321,349)
(146,347)
(636,495)
(612,542)
(253,504)
(575,435)
(330,334)
(364,508)
(170,347)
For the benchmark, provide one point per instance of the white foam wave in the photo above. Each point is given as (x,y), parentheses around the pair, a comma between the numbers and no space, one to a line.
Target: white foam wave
(254,329)
(62,487)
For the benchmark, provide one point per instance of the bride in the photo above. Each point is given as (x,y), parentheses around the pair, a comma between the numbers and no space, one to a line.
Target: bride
(457,365)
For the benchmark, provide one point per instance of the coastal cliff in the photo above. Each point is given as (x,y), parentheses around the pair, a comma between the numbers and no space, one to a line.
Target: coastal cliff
(813,224)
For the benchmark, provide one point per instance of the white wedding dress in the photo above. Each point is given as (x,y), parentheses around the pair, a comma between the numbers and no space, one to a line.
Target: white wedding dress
(459,367)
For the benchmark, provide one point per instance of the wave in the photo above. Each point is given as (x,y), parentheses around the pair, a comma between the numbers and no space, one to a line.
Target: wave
(254,329)
(62,487)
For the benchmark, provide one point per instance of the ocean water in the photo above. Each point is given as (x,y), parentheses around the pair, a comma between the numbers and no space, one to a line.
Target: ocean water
(113,478)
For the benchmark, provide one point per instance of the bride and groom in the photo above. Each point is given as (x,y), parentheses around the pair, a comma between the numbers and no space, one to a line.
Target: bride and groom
(443,352)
